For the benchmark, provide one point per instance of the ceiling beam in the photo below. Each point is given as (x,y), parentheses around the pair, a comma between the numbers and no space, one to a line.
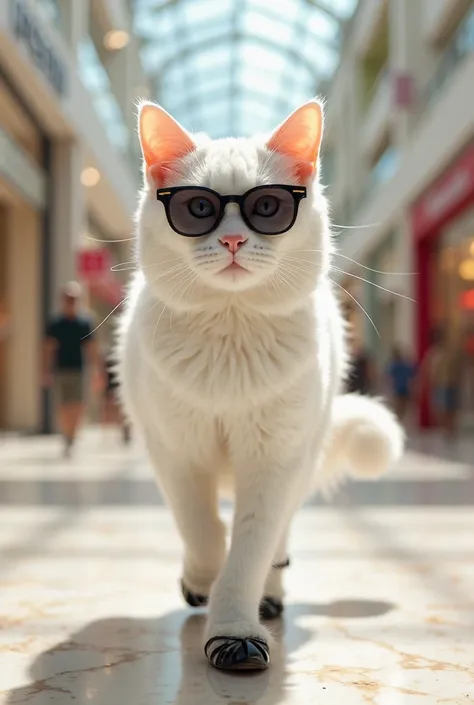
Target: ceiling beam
(190,50)
(322,6)
(219,92)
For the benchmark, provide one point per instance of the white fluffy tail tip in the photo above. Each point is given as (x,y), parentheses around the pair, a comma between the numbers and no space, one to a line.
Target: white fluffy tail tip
(372,450)
(367,436)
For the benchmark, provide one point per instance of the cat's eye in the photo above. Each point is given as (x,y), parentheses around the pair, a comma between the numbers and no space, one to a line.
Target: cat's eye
(266,206)
(195,211)
(201,208)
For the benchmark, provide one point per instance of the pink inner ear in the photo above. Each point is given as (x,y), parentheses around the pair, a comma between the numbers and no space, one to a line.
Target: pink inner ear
(163,141)
(299,138)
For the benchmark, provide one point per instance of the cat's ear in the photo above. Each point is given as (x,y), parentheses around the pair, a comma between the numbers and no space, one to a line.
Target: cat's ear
(299,138)
(163,141)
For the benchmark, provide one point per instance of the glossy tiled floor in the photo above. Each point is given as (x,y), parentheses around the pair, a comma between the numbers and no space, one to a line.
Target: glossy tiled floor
(380,594)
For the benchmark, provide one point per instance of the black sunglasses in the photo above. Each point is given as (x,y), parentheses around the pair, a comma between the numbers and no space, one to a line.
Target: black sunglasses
(194,211)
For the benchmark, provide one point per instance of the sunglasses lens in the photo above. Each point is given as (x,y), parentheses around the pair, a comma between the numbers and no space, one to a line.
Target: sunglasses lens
(270,210)
(194,212)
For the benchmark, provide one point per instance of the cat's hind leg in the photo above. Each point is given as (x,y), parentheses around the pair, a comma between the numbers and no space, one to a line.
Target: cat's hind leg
(271,604)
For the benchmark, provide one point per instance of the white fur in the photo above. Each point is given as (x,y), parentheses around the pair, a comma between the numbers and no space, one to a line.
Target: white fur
(240,376)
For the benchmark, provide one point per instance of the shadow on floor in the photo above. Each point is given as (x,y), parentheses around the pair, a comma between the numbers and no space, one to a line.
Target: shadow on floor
(130,661)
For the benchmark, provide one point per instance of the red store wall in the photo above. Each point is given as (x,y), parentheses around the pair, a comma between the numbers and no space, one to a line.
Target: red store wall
(442,202)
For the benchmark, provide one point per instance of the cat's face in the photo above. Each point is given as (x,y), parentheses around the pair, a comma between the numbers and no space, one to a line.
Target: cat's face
(231,256)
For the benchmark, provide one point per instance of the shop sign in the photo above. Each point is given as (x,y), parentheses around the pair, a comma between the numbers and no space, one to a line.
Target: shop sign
(467,300)
(445,197)
(43,56)
(93,264)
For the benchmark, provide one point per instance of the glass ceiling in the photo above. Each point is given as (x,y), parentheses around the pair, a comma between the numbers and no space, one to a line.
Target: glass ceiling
(236,67)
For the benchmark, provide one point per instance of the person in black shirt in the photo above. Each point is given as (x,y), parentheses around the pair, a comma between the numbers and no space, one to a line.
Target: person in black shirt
(69,348)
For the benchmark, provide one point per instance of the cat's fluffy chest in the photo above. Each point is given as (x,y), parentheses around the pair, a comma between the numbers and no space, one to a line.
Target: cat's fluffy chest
(229,358)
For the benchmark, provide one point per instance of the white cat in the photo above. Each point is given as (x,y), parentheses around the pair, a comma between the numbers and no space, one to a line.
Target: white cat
(231,359)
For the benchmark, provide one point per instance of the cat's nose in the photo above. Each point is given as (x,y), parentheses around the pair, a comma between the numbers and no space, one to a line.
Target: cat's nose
(233,242)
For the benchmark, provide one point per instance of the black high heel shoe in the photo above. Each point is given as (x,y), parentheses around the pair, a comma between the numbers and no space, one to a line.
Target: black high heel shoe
(237,653)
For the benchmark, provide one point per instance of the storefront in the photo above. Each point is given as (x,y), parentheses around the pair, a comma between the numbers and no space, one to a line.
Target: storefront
(443,228)
(23,209)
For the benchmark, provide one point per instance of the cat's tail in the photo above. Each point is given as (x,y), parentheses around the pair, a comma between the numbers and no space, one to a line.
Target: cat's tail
(365,441)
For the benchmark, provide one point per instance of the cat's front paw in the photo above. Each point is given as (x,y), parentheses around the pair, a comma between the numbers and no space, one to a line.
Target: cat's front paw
(228,653)
(238,646)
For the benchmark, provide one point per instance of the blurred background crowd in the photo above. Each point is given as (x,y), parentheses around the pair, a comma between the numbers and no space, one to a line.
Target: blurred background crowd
(398,162)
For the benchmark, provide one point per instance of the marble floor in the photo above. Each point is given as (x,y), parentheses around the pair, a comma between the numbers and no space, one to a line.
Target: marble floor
(380,596)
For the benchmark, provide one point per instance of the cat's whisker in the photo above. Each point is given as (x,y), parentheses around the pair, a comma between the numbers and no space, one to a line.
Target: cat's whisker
(377,286)
(207,256)
(355,227)
(301,267)
(171,270)
(358,304)
(185,289)
(98,239)
(363,266)
(106,318)
(306,263)
(304,276)
(184,279)
(135,264)
(287,281)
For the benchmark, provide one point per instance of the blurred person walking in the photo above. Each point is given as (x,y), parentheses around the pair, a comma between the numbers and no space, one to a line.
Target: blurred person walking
(68,349)
(400,374)
(441,370)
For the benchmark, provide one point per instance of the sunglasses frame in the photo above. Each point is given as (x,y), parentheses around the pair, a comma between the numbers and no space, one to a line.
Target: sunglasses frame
(165,196)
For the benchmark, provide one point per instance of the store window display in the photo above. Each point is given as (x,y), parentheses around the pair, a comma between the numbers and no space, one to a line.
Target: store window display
(452,286)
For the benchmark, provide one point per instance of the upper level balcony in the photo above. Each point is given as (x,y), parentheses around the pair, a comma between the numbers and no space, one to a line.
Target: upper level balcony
(376,120)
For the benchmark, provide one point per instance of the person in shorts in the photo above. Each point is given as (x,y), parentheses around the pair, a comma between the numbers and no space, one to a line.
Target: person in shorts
(69,349)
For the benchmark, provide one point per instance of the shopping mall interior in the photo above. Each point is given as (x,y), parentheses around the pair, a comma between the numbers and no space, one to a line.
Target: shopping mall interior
(378,596)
